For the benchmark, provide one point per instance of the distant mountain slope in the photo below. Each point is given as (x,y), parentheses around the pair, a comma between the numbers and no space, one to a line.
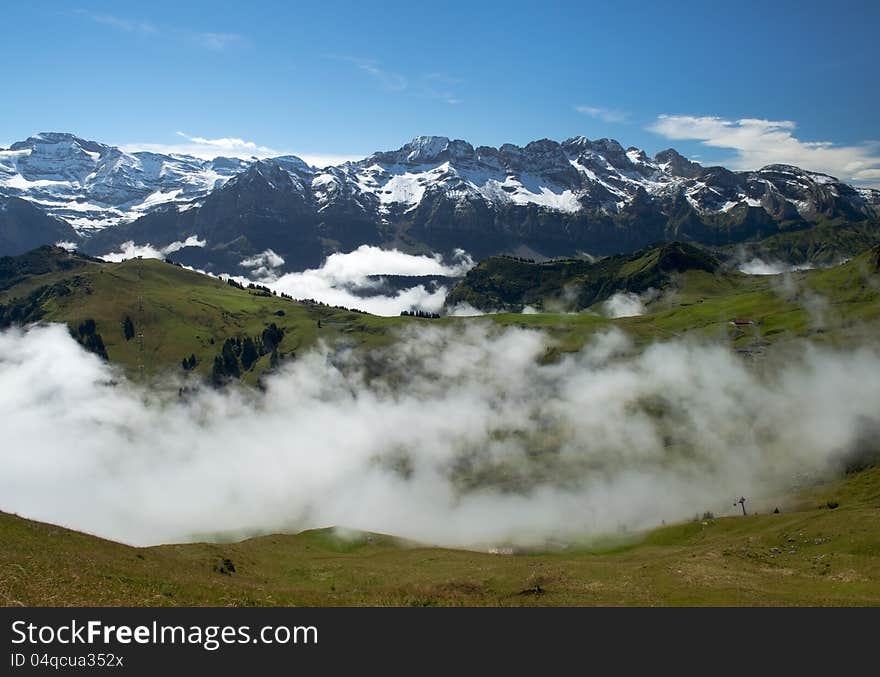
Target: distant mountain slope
(268,206)
(24,226)
(501,282)
(826,243)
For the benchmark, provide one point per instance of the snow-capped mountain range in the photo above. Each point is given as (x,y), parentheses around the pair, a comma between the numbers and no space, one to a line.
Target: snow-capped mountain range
(92,185)
(547,196)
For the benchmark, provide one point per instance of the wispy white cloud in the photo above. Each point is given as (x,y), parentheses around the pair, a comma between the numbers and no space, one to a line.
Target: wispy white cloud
(119,23)
(206,39)
(441,95)
(208,149)
(229,144)
(328,159)
(605,114)
(758,142)
(345,279)
(441,87)
(129,250)
(388,80)
(216,41)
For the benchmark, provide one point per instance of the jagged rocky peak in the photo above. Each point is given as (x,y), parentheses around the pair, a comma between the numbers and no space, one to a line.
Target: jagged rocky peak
(596,154)
(58,156)
(432,183)
(790,172)
(263,174)
(292,163)
(607,146)
(421,150)
(677,164)
(460,150)
(230,164)
(425,148)
(613,153)
(546,151)
(637,155)
(46,140)
(576,145)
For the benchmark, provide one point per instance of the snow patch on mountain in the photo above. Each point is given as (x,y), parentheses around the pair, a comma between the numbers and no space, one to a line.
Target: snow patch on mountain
(94,186)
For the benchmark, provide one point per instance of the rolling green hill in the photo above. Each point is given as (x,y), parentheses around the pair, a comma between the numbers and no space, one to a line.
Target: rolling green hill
(506,283)
(838,305)
(183,314)
(179,312)
(826,243)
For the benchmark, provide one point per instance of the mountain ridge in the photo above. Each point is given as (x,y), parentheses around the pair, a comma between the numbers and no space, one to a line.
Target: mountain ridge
(432,194)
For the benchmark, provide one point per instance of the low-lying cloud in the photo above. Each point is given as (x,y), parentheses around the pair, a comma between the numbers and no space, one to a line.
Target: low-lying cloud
(130,250)
(351,280)
(624,304)
(465,438)
(604,114)
(264,265)
(758,266)
(629,304)
(348,280)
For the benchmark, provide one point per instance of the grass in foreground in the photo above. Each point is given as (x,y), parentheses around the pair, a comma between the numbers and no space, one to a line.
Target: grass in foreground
(809,554)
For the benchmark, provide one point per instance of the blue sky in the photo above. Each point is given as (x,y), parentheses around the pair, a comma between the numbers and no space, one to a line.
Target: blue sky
(742,83)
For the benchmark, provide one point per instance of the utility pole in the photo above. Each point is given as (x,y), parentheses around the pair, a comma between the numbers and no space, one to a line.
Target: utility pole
(742,503)
(140,326)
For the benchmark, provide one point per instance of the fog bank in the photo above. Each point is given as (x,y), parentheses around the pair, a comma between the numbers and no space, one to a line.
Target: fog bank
(457,437)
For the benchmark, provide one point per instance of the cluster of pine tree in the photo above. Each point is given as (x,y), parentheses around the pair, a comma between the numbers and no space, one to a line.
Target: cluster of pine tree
(239,354)
(420,313)
(87,335)
(326,305)
(189,363)
(522,259)
(128,328)
(260,290)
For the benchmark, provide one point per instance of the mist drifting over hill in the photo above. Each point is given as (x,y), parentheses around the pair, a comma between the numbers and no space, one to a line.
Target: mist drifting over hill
(455,437)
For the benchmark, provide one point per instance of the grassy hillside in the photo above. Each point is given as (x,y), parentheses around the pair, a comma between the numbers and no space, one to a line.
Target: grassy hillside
(827,243)
(838,305)
(508,283)
(809,554)
(186,313)
(179,312)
